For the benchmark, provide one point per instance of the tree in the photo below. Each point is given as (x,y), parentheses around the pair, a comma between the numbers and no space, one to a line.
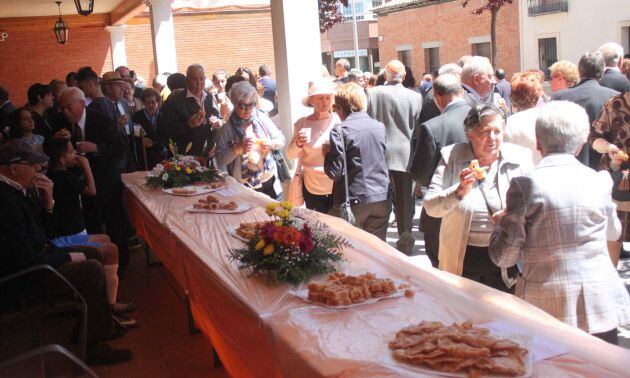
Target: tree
(329,14)
(493,6)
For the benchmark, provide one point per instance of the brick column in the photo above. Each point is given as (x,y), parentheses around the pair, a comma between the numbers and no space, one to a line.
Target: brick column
(297,50)
(163,35)
(117,43)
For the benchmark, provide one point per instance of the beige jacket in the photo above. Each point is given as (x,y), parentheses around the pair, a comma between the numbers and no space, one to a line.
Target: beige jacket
(441,200)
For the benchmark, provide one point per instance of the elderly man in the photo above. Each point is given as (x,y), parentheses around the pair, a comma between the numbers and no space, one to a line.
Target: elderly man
(342,69)
(556,224)
(590,95)
(479,83)
(429,108)
(399,109)
(190,116)
(24,244)
(428,139)
(612,77)
(97,136)
(356,76)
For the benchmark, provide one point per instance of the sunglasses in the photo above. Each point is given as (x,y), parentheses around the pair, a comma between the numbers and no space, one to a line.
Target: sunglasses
(247,106)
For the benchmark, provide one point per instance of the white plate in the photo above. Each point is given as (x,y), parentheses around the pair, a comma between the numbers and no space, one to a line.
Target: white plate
(232,232)
(303,295)
(524,341)
(242,207)
(199,190)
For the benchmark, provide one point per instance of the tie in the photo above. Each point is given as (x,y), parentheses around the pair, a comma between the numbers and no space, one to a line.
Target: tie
(78,132)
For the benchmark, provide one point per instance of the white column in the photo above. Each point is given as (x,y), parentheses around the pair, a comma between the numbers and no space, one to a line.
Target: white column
(117,42)
(298,58)
(163,33)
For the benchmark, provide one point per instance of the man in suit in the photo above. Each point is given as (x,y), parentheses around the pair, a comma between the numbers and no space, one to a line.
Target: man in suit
(590,95)
(190,117)
(268,83)
(342,69)
(399,109)
(479,83)
(556,224)
(504,87)
(97,136)
(428,140)
(612,77)
(429,109)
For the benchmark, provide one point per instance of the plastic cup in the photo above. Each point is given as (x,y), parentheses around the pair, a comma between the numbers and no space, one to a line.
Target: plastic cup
(306,131)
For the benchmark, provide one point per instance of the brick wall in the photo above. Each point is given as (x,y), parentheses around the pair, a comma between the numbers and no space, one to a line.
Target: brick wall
(213,40)
(28,57)
(451,24)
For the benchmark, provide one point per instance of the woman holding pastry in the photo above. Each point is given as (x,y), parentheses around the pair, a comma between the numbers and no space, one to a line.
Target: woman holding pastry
(468,189)
(309,135)
(246,142)
(610,136)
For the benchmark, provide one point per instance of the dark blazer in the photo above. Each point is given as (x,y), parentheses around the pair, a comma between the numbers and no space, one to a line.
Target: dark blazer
(23,233)
(270,89)
(365,143)
(105,163)
(431,136)
(154,154)
(615,80)
(429,108)
(43,126)
(592,97)
(174,122)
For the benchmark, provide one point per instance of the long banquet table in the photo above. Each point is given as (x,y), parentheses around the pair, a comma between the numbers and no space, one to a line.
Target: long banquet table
(259,330)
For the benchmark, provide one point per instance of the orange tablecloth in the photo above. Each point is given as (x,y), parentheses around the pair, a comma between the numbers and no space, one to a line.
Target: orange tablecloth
(259,329)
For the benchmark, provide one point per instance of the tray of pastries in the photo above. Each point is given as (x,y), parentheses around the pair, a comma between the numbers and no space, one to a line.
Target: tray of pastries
(343,291)
(195,189)
(212,204)
(246,231)
(462,350)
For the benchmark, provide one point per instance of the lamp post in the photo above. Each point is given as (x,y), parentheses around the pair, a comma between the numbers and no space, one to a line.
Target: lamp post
(355,37)
(61,27)
(84,7)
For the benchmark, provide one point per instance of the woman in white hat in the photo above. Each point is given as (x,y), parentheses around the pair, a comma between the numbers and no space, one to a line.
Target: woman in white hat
(309,134)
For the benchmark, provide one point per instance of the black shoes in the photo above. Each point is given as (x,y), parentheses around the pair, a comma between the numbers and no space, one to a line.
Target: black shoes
(624,254)
(103,354)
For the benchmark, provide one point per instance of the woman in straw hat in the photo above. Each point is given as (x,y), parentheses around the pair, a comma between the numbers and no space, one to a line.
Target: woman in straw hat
(309,135)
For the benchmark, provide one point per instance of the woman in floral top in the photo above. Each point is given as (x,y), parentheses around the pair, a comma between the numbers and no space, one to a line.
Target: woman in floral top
(610,136)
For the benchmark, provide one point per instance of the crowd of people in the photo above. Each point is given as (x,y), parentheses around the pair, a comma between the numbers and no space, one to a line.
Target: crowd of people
(507,171)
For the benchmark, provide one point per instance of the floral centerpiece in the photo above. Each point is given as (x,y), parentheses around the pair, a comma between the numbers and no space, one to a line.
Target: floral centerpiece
(181,170)
(289,252)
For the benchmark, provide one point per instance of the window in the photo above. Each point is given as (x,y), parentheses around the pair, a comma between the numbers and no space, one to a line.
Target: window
(481,49)
(547,54)
(540,7)
(625,38)
(432,59)
(358,8)
(405,57)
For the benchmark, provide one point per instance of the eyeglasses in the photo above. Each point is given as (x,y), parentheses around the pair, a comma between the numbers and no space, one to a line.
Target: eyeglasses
(247,106)
(37,167)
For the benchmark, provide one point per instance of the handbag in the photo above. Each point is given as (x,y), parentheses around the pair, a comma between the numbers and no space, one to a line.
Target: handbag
(345,209)
(281,165)
(296,189)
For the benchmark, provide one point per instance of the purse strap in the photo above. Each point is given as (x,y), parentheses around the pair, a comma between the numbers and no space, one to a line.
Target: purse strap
(344,171)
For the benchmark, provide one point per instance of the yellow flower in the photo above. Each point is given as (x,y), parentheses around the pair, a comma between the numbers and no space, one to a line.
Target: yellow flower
(268,250)
(278,224)
(287,205)
(284,214)
(188,170)
(269,209)
(260,245)
(178,168)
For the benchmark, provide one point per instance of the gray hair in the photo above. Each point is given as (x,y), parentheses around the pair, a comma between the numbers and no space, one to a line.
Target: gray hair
(450,68)
(242,90)
(447,84)
(355,75)
(612,52)
(463,60)
(476,65)
(343,63)
(591,65)
(194,66)
(478,112)
(72,92)
(561,127)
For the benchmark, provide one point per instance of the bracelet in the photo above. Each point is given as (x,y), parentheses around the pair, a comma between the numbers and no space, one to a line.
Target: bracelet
(51,207)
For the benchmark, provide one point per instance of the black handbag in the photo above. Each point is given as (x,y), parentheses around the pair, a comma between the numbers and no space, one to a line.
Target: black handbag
(344,208)
(281,165)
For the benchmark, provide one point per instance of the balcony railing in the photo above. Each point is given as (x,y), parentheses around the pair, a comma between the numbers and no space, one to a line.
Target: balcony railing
(540,7)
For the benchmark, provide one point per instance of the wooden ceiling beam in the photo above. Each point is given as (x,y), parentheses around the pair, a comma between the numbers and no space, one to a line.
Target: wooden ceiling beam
(75,21)
(126,10)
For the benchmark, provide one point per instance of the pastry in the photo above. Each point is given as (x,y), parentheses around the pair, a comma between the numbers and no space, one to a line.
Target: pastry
(479,172)
(342,290)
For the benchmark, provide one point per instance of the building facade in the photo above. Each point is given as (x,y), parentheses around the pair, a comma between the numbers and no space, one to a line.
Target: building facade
(425,34)
(553,30)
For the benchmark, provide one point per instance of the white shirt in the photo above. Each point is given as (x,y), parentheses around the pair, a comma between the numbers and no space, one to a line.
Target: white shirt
(81,123)
(520,129)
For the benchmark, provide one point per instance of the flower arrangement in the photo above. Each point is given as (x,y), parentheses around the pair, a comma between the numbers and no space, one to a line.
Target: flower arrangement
(289,252)
(180,170)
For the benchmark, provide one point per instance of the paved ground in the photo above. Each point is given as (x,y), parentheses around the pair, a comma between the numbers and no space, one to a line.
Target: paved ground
(420,254)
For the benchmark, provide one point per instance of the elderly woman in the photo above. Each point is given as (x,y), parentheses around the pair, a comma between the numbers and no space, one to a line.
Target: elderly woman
(610,136)
(147,118)
(246,142)
(525,96)
(556,223)
(564,74)
(309,135)
(466,202)
(357,147)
